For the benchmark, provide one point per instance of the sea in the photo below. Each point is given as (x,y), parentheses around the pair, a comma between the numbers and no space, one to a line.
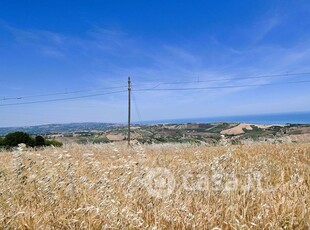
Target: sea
(279,118)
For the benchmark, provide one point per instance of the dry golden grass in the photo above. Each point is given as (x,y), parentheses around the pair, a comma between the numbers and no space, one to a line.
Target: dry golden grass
(256,186)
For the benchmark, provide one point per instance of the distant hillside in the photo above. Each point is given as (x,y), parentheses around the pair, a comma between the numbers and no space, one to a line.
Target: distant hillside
(60,128)
(202,133)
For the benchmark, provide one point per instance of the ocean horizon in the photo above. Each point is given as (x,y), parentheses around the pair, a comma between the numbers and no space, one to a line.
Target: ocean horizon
(279,118)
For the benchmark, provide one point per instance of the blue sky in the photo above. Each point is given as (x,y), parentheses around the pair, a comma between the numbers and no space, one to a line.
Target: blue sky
(63,46)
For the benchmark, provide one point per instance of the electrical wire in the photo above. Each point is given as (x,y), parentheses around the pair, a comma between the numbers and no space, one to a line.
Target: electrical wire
(62,99)
(154,87)
(59,93)
(136,107)
(222,87)
(226,79)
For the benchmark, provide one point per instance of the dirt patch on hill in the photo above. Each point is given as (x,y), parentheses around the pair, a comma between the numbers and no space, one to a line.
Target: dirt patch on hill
(115,137)
(300,137)
(237,129)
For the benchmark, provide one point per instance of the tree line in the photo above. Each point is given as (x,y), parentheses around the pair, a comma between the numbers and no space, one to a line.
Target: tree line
(13,139)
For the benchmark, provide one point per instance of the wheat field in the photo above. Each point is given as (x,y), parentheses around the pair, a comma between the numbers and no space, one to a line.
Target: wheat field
(170,186)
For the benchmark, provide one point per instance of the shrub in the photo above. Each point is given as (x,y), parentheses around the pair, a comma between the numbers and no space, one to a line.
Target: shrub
(40,141)
(1,142)
(53,143)
(13,139)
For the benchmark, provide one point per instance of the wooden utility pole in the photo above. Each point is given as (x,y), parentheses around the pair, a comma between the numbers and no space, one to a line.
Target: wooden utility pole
(129,109)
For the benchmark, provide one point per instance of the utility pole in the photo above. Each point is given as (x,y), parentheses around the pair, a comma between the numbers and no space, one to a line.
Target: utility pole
(129,109)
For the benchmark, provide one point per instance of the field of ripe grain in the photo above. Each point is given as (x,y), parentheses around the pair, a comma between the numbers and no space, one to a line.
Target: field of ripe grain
(170,186)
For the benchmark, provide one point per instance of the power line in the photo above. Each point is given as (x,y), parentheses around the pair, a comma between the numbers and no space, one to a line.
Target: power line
(136,107)
(226,79)
(155,87)
(222,87)
(62,99)
(59,93)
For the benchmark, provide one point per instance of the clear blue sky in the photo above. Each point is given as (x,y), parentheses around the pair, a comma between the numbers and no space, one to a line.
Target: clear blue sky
(59,46)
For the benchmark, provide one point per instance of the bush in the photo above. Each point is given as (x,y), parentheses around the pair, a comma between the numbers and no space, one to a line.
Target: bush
(40,141)
(52,143)
(13,139)
(2,142)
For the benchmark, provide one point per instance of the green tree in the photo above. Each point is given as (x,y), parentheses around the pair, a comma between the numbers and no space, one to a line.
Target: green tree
(1,142)
(13,139)
(40,141)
